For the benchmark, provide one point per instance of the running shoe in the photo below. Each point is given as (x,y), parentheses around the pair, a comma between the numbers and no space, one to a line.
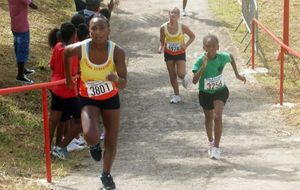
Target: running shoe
(102,135)
(60,153)
(215,153)
(25,80)
(96,152)
(210,146)
(175,99)
(28,72)
(107,181)
(80,141)
(73,145)
(185,81)
(184,13)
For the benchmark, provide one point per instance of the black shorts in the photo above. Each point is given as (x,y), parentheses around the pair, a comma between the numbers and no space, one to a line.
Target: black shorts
(71,106)
(206,99)
(169,57)
(66,115)
(108,104)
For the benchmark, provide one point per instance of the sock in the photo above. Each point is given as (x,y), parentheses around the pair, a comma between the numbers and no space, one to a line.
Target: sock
(21,66)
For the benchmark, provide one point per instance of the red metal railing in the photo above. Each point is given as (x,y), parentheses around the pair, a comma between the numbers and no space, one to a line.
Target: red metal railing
(284,48)
(44,87)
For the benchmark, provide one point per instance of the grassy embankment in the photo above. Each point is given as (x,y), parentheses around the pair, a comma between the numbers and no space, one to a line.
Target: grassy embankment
(21,124)
(270,14)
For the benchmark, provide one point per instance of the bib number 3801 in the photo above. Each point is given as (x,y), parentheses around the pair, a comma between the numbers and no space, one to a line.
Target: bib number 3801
(98,88)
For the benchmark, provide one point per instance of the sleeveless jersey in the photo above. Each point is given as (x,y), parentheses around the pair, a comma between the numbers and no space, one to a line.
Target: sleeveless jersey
(173,42)
(93,82)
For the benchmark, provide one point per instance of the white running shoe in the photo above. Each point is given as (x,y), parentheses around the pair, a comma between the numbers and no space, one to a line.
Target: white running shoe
(210,146)
(102,135)
(184,13)
(72,146)
(185,81)
(80,141)
(215,153)
(175,99)
(59,152)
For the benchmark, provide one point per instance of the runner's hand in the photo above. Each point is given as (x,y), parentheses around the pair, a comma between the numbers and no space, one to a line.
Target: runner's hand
(112,77)
(242,78)
(204,60)
(159,49)
(183,46)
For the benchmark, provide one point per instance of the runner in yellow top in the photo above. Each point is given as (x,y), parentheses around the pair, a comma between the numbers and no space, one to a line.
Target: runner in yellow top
(172,42)
(93,83)
(103,72)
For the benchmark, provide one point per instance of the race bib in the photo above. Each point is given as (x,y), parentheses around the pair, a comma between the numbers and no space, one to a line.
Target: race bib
(214,83)
(173,46)
(96,88)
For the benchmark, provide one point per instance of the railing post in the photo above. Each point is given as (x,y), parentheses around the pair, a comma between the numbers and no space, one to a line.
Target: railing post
(281,74)
(46,135)
(253,42)
(286,23)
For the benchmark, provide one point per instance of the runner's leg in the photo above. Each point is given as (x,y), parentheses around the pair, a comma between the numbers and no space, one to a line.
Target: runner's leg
(173,77)
(90,116)
(111,121)
(218,111)
(184,2)
(209,115)
(54,119)
(181,68)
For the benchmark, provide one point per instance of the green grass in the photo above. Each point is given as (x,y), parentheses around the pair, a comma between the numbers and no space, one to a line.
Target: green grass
(270,14)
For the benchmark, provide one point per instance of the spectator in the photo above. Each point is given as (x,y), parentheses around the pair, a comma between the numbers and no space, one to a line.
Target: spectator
(105,12)
(92,7)
(20,28)
(80,4)
(81,27)
(62,98)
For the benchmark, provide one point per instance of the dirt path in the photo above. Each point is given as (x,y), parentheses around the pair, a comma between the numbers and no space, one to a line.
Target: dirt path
(163,146)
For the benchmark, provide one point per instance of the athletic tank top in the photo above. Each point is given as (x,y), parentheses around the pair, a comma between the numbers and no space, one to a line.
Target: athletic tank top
(173,42)
(93,82)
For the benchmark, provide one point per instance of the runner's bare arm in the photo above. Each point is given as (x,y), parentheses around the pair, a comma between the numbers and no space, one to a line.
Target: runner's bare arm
(190,34)
(119,59)
(234,67)
(162,39)
(198,74)
(70,50)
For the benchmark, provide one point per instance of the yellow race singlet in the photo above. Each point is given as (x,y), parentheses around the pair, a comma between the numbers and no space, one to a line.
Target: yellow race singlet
(93,82)
(173,42)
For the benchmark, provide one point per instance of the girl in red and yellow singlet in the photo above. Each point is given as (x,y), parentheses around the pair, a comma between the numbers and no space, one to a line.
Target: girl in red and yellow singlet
(103,73)
(172,43)
(93,83)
